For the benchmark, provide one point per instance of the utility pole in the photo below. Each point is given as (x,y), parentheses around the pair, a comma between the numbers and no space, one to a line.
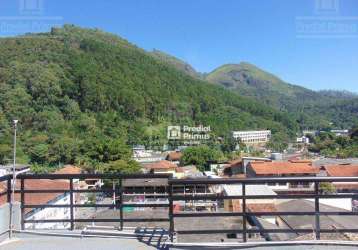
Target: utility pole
(12,201)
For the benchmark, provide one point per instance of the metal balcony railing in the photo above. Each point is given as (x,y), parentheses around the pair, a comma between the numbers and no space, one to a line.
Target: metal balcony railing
(120,203)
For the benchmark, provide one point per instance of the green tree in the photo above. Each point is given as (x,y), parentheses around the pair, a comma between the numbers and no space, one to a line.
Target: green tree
(327,188)
(39,153)
(122,167)
(5,153)
(200,156)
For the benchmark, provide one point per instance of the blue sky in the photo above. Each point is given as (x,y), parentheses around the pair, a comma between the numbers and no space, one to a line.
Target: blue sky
(209,33)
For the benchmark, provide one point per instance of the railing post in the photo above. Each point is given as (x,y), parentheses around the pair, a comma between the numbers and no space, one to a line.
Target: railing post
(244,229)
(22,193)
(317,213)
(121,203)
(71,205)
(9,189)
(171,217)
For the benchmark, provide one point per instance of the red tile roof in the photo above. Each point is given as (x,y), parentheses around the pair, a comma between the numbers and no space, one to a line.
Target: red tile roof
(341,170)
(280,168)
(40,198)
(161,165)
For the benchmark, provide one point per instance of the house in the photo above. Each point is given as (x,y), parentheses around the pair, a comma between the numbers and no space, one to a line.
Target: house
(190,171)
(85,184)
(340,132)
(161,167)
(141,155)
(342,170)
(233,167)
(60,198)
(299,168)
(303,140)
(147,156)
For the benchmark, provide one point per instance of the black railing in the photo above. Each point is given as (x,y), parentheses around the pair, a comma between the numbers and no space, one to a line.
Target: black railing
(72,220)
(247,214)
(174,197)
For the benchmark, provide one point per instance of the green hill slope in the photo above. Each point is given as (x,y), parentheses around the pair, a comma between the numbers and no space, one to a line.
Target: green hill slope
(82,96)
(177,63)
(312,109)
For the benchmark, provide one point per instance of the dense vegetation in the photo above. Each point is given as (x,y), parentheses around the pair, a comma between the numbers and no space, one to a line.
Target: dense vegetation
(313,110)
(335,146)
(177,63)
(200,156)
(85,97)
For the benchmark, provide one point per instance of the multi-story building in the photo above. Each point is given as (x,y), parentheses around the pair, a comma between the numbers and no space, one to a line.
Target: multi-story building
(252,137)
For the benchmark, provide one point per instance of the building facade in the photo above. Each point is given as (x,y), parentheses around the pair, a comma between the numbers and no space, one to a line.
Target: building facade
(284,169)
(252,137)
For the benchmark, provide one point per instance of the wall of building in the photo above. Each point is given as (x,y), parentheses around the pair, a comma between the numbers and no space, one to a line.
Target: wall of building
(252,136)
(51,213)
(343,203)
(4,219)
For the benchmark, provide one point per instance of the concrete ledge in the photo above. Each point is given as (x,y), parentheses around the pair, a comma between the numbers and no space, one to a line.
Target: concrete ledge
(4,219)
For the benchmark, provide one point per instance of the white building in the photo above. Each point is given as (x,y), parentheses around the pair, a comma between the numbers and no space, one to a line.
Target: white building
(340,132)
(7,169)
(59,213)
(252,137)
(60,198)
(303,139)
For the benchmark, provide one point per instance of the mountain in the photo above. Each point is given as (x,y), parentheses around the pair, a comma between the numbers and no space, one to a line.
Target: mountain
(309,107)
(84,96)
(177,63)
(339,94)
(251,81)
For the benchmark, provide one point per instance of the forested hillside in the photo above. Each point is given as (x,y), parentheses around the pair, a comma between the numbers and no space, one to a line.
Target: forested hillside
(177,63)
(312,109)
(85,96)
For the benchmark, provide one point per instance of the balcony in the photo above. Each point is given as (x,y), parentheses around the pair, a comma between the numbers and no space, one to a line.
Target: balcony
(154,213)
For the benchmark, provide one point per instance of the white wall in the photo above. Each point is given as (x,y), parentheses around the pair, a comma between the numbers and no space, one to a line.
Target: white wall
(4,219)
(51,213)
(344,203)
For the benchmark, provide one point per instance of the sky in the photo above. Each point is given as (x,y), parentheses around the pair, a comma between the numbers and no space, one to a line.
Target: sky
(312,43)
